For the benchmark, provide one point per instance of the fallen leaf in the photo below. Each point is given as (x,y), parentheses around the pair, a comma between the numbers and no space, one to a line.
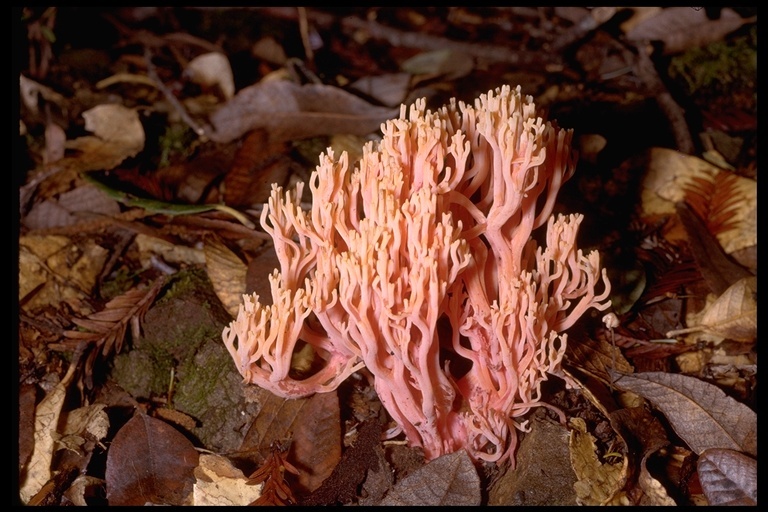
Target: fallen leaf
(227,274)
(728,477)
(448,480)
(446,63)
(150,462)
(716,267)
(290,111)
(358,460)
(670,175)
(733,315)
(219,483)
(701,414)
(69,208)
(316,433)
(389,89)
(212,70)
(598,483)
(681,28)
(53,269)
(543,475)
(38,470)
(117,134)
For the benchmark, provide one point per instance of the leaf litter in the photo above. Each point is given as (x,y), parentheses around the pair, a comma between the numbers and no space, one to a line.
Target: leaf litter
(268,124)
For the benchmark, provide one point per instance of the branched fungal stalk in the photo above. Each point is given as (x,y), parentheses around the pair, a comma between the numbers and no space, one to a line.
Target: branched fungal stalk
(433,224)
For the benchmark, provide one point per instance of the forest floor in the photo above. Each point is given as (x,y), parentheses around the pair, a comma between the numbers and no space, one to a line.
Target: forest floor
(149,141)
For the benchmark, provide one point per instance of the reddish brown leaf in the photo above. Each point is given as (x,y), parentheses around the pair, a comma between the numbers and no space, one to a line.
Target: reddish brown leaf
(258,164)
(316,427)
(149,462)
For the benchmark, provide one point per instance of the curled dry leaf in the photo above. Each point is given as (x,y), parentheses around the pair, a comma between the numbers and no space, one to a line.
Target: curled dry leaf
(226,272)
(213,70)
(728,477)
(38,470)
(700,413)
(732,315)
(218,482)
(117,134)
(448,480)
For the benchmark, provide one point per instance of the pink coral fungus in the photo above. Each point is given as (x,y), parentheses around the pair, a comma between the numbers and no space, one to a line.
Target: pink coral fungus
(433,224)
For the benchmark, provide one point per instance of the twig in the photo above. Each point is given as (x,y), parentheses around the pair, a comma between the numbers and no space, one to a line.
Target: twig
(402,38)
(202,132)
(646,71)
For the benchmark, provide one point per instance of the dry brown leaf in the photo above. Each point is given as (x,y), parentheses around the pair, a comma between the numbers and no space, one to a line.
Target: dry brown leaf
(68,208)
(733,315)
(149,462)
(117,134)
(543,475)
(645,434)
(728,477)
(598,483)
(227,274)
(681,28)
(671,174)
(219,483)
(701,414)
(53,269)
(719,270)
(316,433)
(448,480)
(290,111)
(38,470)
(212,70)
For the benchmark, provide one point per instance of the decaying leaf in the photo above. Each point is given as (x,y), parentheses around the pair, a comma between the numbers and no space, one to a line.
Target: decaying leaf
(117,134)
(732,315)
(90,421)
(598,483)
(219,483)
(315,425)
(360,459)
(448,480)
(645,435)
(53,269)
(226,272)
(543,475)
(700,413)
(728,477)
(38,470)
(671,175)
(291,111)
(716,267)
(69,207)
(149,462)
(681,28)
(212,70)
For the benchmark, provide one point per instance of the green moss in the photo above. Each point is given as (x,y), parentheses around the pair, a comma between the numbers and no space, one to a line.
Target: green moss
(176,143)
(718,67)
(182,332)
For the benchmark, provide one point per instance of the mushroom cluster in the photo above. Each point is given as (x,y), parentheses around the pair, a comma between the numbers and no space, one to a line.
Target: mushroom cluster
(418,263)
